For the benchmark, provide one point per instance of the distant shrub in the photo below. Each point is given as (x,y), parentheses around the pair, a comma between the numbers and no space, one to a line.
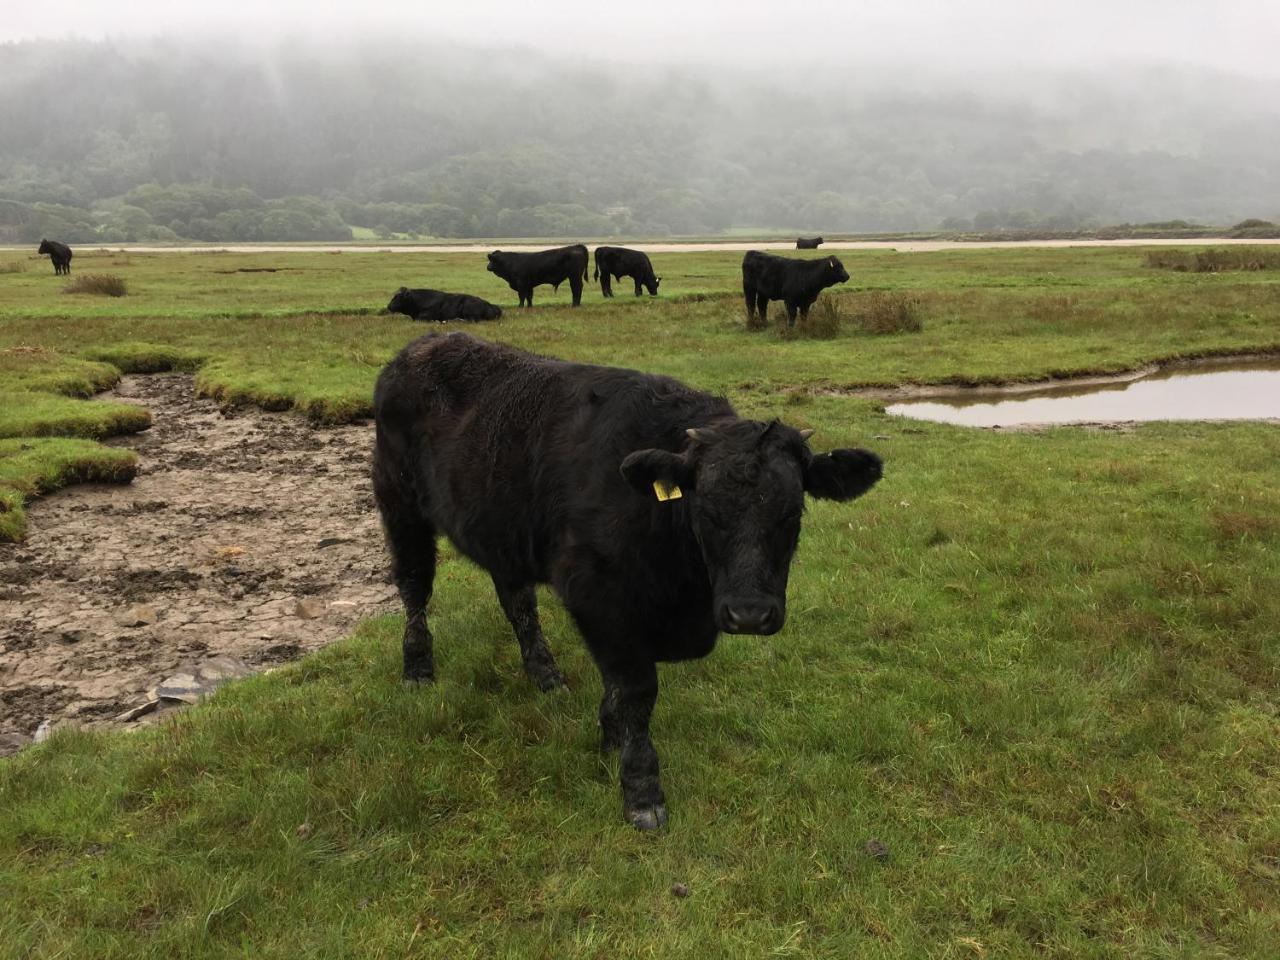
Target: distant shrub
(101,284)
(1253,223)
(889,312)
(13,266)
(1215,260)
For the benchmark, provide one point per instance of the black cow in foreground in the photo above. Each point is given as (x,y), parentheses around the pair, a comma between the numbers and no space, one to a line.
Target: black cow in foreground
(524,271)
(59,253)
(618,262)
(658,516)
(796,283)
(440,306)
(808,243)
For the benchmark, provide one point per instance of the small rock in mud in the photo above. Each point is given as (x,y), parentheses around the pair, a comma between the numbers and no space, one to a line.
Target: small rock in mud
(310,608)
(139,615)
(679,890)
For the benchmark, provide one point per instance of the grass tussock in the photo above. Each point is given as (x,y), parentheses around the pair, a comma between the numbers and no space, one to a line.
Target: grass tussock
(823,322)
(13,266)
(1215,260)
(33,466)
(98,284)
(888,311)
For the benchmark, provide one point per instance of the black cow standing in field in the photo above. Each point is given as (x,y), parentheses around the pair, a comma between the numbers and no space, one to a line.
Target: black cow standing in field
(808,243)
(796,283)
(659,516)
(59,253)
(618,262)
(440,306)
(524,271)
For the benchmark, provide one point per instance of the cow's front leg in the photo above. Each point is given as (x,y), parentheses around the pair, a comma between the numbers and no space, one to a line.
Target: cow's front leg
(634,691)
(791,315)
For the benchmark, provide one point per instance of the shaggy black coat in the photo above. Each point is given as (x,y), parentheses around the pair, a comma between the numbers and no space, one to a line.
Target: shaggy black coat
(614,263)
(796,283)
(524,271)
(440,306)
(59,253)
(657,515)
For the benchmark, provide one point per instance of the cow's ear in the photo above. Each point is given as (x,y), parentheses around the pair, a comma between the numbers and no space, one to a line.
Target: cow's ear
(832,263)
(659,473)
(842,474)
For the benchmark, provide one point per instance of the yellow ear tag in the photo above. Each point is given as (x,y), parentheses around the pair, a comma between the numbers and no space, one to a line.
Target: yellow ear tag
(665,493)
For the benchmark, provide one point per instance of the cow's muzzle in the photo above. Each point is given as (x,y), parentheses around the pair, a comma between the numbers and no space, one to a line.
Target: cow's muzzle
(762,616)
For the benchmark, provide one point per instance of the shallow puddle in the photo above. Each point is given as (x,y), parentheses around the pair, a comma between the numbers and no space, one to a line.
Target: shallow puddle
(1225,391)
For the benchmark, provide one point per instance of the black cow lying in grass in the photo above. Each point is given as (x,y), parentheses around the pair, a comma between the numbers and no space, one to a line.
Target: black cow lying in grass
(618,262)
(657,514)
(524,271)
(808,243)
(796,283)
(59,253)
(440,306)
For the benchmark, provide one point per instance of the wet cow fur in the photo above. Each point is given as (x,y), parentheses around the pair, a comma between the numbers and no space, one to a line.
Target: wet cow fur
(440,306)
(59,253)
(796,283)
(808,243)
(524,271)
(614,263)
(544,471)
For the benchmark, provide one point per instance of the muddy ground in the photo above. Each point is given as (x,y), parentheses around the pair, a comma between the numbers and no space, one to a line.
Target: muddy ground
(248,535)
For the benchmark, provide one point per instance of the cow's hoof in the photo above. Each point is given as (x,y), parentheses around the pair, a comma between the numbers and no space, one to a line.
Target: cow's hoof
(647,818)
(415,680)
(552,683)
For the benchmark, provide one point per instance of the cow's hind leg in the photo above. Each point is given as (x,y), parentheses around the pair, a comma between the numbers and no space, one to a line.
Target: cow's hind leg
(411,539)
(520,604)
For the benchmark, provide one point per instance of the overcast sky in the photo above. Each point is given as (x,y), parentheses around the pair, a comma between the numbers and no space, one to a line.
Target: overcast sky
(1236,35)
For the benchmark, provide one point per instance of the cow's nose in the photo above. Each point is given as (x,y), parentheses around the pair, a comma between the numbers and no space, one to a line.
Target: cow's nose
(750,616)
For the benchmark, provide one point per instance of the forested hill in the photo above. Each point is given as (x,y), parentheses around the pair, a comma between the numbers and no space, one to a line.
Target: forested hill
(163,140)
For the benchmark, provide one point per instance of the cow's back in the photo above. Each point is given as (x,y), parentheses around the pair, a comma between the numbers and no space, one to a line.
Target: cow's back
(515,457)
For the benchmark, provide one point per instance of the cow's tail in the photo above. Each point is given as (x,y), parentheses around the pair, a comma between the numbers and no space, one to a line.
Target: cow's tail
(597,260)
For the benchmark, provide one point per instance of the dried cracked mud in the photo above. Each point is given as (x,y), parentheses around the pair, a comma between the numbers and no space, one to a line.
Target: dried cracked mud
(248,535)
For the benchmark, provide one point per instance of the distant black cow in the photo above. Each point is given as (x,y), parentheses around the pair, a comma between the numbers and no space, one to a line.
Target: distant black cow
(437,305)
(618,262)
(658,515)
(524,271)
(808,243)
(59,253)
(795,282)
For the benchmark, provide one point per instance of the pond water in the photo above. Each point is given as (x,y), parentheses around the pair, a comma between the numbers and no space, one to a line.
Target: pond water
(1220,391)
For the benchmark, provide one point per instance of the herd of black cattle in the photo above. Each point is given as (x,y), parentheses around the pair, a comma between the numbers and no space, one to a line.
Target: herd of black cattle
(765,277)
(658,515)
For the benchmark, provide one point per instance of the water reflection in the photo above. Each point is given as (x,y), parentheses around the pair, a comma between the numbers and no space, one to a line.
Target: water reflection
(1226,391)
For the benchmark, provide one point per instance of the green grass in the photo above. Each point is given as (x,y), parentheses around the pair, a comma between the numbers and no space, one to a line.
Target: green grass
(1039,667)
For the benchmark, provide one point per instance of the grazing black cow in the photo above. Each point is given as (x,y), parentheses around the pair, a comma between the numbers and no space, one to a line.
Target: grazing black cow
(808,243)
(440,306)
(618,262)
(59,253)
(524,271)
(796,283)
(658,515)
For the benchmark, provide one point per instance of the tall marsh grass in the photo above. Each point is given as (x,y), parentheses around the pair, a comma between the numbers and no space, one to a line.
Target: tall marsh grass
(99,284)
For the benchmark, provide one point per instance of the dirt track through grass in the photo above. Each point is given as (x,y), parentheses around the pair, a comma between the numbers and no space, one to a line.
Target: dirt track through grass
(252,536)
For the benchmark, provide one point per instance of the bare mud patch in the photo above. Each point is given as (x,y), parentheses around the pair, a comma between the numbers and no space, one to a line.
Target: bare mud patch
(252,536)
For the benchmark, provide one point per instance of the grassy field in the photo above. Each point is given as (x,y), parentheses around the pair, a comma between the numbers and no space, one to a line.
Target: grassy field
(1039,668)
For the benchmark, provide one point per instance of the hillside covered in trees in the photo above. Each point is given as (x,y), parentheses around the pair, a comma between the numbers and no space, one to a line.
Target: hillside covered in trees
(165,140)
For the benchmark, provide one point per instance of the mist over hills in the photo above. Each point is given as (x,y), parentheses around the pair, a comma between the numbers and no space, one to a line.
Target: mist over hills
(159,140)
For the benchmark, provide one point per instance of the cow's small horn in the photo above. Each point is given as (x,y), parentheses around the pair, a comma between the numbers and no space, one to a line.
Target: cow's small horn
(806,433)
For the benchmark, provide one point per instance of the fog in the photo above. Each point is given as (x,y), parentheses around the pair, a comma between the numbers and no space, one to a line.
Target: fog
(282,121)
(1234,35)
